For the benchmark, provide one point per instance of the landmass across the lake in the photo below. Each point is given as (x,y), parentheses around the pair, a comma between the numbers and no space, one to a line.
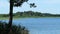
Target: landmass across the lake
(29,14)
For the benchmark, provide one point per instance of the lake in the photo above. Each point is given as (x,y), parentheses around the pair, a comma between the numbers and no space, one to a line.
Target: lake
(40,25)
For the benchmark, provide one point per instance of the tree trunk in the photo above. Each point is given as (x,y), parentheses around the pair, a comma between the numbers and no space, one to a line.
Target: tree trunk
(11,13)
(10,16)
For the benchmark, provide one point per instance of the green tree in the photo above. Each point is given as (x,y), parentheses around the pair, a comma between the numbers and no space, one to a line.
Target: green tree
(16,3)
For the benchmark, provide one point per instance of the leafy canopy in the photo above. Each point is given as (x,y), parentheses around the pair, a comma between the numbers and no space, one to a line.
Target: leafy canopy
(17,3)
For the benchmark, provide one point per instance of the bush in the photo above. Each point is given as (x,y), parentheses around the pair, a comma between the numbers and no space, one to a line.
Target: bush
(15,29)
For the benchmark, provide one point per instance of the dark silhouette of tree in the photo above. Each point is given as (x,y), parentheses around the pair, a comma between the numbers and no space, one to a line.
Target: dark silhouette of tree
(16,3)
(15,29)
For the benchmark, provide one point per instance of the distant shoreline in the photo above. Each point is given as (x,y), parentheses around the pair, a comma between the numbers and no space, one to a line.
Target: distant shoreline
(29,14)
(4,18)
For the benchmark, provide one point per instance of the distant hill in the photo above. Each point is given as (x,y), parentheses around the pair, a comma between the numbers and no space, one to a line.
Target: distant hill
(31,14)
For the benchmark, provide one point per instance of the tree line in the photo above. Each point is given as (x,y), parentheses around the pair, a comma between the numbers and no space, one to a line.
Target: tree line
(31,14)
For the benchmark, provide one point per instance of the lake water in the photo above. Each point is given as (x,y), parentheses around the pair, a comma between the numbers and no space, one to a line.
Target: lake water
(40,25)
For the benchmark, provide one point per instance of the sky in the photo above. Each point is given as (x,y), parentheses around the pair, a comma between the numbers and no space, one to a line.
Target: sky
(43,6)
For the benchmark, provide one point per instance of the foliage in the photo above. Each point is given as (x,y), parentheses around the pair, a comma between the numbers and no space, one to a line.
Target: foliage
(18,2)
(34,14)
(31,14)
(15,29)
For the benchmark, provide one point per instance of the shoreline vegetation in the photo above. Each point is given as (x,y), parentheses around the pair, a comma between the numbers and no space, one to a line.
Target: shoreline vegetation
(16,29)
(28,14)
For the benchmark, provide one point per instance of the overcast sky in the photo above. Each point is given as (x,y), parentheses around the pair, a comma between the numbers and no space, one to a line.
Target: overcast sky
(44,6)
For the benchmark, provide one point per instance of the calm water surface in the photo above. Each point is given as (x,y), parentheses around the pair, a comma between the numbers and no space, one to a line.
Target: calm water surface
(40,25)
